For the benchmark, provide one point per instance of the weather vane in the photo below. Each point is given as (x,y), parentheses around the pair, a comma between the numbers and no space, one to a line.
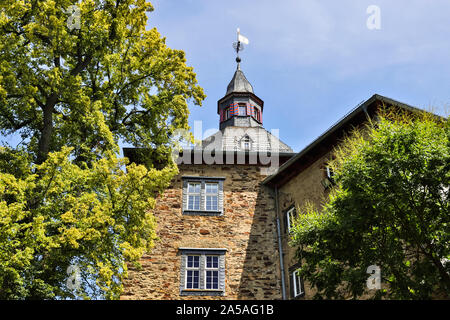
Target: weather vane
(239,46)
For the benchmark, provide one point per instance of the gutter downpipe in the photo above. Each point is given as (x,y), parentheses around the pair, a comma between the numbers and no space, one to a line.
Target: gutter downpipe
(280,247)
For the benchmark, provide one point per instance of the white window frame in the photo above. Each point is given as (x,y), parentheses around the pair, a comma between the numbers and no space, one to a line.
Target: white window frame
(242,107)
(246,143)
(216,269)
(330,173)
(204,182)
(203,254)
(257,114)
(195,194)
(209,194)
(227,113)
(192,269)
(289,216)
(297,291)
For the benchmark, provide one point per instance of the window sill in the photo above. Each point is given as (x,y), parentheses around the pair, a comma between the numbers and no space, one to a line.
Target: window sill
(202,213)
(202,292)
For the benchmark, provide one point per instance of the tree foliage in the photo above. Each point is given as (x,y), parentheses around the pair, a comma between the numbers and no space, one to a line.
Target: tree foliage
(73,93)
(390,208)
(87,88)
(58,214)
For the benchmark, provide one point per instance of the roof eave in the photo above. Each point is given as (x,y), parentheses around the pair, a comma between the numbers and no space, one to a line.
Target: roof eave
(227,96)
(270,181)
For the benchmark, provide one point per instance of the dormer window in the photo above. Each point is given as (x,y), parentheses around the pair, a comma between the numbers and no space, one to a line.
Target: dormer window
(246,143)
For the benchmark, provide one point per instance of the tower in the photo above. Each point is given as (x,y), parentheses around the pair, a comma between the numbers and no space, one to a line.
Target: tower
(240,107)
(216,220)
(240,113)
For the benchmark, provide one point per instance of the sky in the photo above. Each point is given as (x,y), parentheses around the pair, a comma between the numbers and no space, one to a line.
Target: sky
(312,61)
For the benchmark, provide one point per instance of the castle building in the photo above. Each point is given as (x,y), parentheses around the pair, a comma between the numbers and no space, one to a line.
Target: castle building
(224,222)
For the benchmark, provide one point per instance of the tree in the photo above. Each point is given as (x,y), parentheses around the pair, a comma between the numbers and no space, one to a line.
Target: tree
(389,208)
(73,91)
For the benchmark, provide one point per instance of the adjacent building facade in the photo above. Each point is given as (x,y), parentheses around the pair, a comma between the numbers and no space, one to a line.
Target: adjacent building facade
(224,222)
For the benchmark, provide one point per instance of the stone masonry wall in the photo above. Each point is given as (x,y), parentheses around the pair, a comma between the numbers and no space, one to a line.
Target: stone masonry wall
(303,188)
(247,230)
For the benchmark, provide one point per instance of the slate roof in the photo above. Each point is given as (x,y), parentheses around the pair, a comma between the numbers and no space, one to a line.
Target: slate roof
(228,139)
(239,83)
(333,135)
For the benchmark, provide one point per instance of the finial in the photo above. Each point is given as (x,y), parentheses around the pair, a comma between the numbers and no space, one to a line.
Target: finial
(238,60)
(239,46)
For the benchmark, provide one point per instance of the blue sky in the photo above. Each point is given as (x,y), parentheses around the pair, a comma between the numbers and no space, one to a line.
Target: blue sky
(311,61)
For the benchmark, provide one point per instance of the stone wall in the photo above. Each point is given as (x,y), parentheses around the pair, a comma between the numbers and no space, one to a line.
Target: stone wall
(247,229)
(301,189)
(306,187)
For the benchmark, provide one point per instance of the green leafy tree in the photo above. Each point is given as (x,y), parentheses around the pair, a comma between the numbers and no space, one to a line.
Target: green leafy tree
(77,78)
(389,208)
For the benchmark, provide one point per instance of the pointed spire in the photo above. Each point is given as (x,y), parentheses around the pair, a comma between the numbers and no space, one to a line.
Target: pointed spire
(239,82)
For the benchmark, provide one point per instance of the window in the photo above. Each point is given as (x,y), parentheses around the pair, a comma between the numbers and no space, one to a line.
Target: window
(212,272)
(194,195)
(202,271)
(193,272)
(202,195)
(297,289)
(297,286)
(212,196)
(246,143)
(330,173)
(242,109)
(256,114)
(290,214)
(328,181)
(227,113)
